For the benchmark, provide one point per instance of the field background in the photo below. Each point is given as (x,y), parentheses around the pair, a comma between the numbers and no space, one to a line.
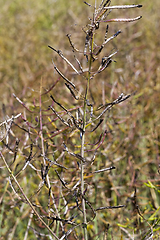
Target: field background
(26,29)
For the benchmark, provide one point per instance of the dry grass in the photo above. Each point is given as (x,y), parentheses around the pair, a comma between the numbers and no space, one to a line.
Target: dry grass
(129,132)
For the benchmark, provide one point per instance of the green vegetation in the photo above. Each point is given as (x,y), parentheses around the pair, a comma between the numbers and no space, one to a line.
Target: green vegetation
(46,156)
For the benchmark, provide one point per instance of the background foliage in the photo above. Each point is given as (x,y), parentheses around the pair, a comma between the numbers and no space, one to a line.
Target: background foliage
(26,28)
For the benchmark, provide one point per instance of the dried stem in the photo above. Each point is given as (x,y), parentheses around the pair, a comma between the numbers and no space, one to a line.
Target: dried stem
(26,198)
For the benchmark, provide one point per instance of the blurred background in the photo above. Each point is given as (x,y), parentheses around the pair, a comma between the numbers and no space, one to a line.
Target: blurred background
(26,30)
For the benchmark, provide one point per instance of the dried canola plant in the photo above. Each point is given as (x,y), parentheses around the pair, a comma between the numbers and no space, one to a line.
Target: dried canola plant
(63,138)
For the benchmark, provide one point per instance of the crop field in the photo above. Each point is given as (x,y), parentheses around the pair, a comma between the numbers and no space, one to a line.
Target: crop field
(79,120)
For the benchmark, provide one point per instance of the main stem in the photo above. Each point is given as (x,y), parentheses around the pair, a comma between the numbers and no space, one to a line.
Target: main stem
(83,143)
(82,174)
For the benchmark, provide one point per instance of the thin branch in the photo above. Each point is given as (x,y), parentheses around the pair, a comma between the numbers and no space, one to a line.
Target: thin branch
(70,41)
(73,119)
(78,156)
(120,99)
(122,19)
(66,79)
(124,6)
(107,40)
(64,58)
(21,103)
(105,169)
(98,124)
(109,207)
(71,91)
(61,119)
